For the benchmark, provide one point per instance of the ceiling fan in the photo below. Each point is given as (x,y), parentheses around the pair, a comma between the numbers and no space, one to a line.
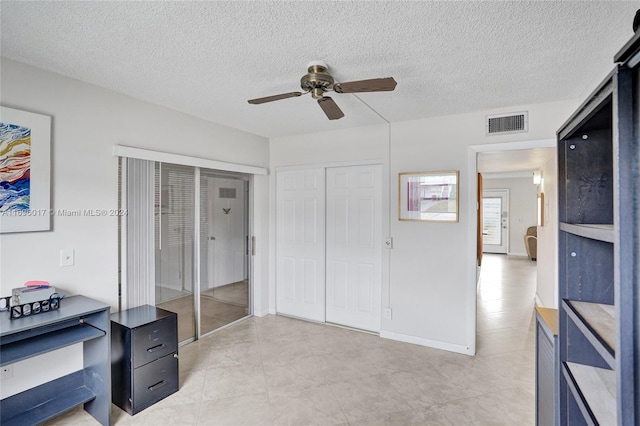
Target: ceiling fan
(318,81)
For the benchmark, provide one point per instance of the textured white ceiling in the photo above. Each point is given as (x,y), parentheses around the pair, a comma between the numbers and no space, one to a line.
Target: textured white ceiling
(208,58)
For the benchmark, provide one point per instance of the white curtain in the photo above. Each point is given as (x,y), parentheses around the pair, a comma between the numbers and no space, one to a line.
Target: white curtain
(138,280)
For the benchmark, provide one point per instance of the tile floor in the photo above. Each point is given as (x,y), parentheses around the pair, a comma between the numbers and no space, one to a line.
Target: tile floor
(281,371)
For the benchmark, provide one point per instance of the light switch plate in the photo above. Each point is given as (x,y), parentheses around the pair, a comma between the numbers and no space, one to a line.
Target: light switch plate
(388,242)
(67,257)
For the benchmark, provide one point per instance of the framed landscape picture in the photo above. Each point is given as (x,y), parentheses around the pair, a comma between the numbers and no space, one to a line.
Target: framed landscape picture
(428,196)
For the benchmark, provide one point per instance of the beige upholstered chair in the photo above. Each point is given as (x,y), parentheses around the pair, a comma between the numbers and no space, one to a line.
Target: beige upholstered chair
(531,242)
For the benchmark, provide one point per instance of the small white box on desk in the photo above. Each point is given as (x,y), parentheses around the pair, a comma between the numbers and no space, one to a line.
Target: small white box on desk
(24,295)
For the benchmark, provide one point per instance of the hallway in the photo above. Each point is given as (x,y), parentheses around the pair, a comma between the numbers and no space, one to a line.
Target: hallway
(506,299)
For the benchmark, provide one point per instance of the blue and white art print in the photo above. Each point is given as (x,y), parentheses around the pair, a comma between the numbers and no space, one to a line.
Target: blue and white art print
(25,145)
(15,167)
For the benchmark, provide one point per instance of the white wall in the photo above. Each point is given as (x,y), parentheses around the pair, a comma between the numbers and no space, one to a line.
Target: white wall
(522,209)
(86,122)
(547,278)
(429,277)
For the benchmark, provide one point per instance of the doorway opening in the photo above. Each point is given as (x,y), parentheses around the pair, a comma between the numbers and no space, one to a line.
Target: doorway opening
(506,159)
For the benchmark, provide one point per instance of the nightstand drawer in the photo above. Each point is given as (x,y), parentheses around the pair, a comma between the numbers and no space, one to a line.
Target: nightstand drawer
(154,381)
(154,341)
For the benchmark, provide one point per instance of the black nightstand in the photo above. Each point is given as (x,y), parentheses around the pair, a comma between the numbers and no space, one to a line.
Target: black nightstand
(144,357)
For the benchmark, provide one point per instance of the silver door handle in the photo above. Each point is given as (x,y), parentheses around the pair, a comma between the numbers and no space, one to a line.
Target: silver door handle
(212,238)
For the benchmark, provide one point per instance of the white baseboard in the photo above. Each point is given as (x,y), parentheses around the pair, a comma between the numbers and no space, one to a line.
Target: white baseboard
(259,312)
(466,350)
(263,311)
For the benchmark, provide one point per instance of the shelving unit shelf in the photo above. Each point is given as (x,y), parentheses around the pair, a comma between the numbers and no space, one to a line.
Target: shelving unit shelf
(599,278)
(596,321)
(23,349)
(600,232)
(594,391)
(78,320)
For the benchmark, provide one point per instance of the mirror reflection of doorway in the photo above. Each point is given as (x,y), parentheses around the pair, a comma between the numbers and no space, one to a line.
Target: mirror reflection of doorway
(224,284)
(215,232)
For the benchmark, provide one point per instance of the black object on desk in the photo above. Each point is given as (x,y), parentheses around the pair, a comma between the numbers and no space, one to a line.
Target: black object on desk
(144,357)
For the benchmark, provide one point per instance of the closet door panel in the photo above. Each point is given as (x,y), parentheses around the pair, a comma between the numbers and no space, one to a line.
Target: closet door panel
(354,246)
(300,247)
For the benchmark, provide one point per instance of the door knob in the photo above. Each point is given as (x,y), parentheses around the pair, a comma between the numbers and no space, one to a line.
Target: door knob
(212,238)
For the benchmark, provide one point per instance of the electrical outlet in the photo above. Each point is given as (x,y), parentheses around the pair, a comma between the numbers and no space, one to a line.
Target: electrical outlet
(387,313)
(6,372)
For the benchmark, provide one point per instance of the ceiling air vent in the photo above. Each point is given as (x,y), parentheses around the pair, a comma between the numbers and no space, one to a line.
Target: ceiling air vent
(507,123)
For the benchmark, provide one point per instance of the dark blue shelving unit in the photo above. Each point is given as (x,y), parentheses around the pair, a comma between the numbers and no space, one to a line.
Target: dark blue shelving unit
(79,320)
(599,255)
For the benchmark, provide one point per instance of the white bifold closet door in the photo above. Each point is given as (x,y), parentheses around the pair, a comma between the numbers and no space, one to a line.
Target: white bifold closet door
(300,209)
(328,245)
(354,243)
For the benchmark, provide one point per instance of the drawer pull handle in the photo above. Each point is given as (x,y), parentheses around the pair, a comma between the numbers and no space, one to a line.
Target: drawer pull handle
(157,385)
(156,348)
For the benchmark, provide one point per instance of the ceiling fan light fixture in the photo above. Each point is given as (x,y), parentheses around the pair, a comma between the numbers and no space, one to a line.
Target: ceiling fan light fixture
(317,93)
(317,77)
(319,81)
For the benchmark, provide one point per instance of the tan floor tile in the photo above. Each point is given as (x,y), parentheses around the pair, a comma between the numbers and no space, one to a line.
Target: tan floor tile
(296,378)
(404,418)
(368,396)
(316,406)
(233,381)
(506,408)
(241,411)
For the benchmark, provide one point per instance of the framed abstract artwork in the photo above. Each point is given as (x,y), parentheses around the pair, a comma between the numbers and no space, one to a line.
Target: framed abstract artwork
(25,171)
(428,196)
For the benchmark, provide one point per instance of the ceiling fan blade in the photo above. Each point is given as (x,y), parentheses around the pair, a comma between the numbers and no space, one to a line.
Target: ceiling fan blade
(330,108)
(274,97)
(373,85)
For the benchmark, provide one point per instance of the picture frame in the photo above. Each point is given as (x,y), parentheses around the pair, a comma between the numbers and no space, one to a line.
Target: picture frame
(428,196)
(25,171)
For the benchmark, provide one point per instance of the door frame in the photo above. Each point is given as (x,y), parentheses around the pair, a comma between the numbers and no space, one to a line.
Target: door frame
(472,202)
(198,163)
